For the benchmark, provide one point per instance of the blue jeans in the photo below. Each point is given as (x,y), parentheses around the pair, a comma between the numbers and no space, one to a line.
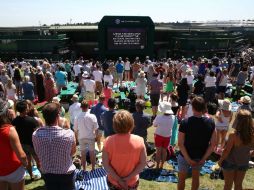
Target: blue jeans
(59,181)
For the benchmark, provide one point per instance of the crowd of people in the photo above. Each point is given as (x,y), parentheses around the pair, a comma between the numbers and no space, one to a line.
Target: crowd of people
(191,112)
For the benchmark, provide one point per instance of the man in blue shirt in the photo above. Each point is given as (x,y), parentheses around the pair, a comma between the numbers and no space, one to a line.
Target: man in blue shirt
(107,118)
(61,78)
(119,71)
(98,110)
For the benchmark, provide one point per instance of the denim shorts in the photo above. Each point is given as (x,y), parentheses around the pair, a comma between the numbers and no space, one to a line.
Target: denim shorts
(230,166)
(183,165)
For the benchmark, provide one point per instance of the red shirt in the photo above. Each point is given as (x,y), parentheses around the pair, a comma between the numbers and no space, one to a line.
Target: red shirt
(9,161)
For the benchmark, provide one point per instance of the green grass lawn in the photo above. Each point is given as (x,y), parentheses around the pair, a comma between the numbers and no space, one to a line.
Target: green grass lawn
(205,181)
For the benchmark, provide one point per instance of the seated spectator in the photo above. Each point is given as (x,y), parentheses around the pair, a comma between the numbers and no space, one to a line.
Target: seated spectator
(141,121)
(124,154)
(12,158)
(55,147)
(245,100)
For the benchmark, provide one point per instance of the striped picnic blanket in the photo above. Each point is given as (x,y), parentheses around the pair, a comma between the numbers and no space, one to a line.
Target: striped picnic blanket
(96,179)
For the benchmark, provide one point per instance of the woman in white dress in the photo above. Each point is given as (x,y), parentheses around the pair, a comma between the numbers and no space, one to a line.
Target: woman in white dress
(141,85)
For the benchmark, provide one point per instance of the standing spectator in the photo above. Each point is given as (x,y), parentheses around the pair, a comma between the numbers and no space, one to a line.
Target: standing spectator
(50,87)
(107,118)
(150,73)
(190,79)
(141,85)
(108,78)
(107,91)
(12,157)
(77,71)
(97,74)
(199,86)
(61,78)
(183,69)
(2,91)
(136,66)
(40,84)
(17,79)
(86,129)
(240,81)
(223,119)
(174,103)
(119,71)
(127,69)
(222,83)
(196,141)
(105,66)
(89,86)
(55,147)
(141,121)
(124,154)
(169,80)
(11,91)
(156,87)
(234,70)
(98,110)
(164,125)
(28,89)
(210,87)
(182,92)
(4,76)
(236,156)
(67,67)
(74,109)
(25,126)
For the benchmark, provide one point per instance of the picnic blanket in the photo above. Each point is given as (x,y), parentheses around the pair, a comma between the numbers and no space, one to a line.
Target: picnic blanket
(85,180)
(159,175)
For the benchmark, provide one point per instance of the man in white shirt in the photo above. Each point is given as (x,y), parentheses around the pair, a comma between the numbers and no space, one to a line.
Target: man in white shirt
(89,86)
(183,69)
(74,109)
(77,70)
(97,74)
(86,129)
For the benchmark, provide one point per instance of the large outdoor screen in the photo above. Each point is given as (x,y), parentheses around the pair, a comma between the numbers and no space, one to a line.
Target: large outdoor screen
(126,38)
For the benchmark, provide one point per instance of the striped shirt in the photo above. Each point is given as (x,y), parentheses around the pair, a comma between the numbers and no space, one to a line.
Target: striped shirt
(53,146)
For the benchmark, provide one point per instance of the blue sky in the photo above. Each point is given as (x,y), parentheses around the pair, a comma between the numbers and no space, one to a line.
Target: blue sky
(33,12)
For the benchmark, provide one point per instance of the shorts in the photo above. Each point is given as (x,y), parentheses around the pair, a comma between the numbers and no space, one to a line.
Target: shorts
(29,150)
(98,86)
(15,177)
(89,96)
(227,166)
(222,128)
(155,98)
(161,141)
(183,165)
(221,89)
(84,143)
(119,76)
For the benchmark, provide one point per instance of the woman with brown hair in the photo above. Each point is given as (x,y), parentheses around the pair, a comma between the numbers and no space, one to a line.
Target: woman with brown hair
(124,154)
(12,157)
(236,156)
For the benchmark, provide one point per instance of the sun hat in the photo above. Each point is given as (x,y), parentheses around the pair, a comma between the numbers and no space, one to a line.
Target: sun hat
(85,74)
(142,74)
(56,99)
(165,107)
(225,105)
(245,99)
(74,98)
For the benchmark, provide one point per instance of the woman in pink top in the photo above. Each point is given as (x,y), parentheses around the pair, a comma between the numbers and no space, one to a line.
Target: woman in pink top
(124,154)
(107,93)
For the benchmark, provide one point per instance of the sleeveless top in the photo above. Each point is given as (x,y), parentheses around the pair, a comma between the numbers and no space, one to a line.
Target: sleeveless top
(225,121)
(239,155)
(9,161)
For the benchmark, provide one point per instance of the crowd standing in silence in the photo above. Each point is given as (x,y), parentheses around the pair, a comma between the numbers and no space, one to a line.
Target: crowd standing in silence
(191,89)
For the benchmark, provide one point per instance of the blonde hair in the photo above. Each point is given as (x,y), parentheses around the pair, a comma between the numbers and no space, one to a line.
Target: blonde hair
(123,122)
(10,84)
(244,126)
(26,78)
